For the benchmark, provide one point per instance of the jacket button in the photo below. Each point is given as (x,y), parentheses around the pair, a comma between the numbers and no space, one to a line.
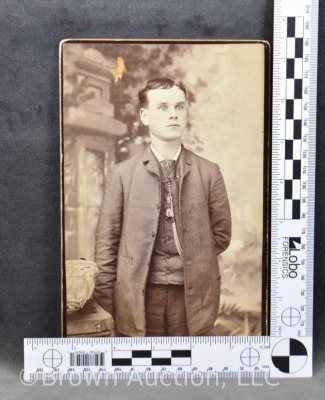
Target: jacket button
(158,206)
(168,256)
(153,234)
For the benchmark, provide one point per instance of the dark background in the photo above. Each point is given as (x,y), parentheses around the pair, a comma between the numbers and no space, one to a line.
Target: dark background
(30,32)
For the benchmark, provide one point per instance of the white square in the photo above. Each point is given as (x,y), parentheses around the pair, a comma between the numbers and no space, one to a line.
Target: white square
(296,363)
(288,169)
(141,361)
(282,349)
(122,354)
(296,189)
(161,354)
(287,215)
(291,47)
(290,89)
(297,109)
(298,68)
(289,129)
(297,149)
(181,361)
(299,32)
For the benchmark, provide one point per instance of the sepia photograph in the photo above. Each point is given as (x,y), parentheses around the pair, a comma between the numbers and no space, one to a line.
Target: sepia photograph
(165,197)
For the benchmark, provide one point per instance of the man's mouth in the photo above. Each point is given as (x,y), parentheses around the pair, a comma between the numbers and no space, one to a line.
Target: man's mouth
(172,125)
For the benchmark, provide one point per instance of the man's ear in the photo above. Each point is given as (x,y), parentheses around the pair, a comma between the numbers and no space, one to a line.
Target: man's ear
(144,116)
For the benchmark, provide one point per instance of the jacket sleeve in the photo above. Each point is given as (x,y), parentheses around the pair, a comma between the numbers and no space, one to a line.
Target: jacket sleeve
(108,239)
(219,210)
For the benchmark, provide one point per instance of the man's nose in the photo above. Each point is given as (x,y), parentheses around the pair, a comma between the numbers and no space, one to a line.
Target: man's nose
(173,113)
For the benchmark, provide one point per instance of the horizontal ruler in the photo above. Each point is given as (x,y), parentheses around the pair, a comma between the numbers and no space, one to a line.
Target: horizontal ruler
(217,356)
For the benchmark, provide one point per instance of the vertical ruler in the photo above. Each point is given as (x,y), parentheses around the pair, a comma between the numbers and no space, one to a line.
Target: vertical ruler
(293,167)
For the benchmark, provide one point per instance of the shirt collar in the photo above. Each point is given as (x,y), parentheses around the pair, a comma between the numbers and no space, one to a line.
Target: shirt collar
(160,158)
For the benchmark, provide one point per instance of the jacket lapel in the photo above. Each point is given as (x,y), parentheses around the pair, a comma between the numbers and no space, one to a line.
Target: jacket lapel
(150,161)
(185,166)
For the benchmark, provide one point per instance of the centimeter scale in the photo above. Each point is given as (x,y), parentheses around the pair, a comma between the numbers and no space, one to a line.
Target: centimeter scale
(288,349)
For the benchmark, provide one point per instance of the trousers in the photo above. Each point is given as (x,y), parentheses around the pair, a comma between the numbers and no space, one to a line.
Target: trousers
(165,310)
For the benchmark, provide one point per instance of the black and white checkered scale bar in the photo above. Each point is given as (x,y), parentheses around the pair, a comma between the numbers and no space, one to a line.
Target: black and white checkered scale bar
(293,115)
(151,358)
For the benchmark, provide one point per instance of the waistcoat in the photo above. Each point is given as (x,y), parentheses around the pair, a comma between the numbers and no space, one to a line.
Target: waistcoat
(166,266)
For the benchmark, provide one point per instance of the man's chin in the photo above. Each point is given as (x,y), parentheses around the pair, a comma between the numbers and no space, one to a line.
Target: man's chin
(170,136)
(174,132)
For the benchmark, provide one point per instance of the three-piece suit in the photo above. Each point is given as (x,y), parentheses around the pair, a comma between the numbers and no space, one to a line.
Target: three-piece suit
(127,230)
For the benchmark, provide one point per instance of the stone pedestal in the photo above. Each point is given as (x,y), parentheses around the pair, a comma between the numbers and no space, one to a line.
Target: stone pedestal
(91,320)
(90,132)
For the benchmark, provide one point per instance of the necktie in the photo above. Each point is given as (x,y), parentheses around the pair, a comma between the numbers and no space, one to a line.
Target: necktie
(167,165)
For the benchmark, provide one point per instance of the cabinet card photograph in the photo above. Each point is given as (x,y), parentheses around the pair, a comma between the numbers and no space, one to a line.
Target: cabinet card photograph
(165,197)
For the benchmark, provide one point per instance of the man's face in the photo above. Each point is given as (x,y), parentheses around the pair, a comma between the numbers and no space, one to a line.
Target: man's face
(166,113)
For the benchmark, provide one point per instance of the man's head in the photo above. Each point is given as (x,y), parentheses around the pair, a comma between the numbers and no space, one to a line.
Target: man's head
(164,109)
(159,83)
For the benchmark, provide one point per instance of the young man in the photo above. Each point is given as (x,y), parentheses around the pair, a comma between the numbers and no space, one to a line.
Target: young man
(164,220)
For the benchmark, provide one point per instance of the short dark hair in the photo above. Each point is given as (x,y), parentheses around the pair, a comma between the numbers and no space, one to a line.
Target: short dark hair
(158,83)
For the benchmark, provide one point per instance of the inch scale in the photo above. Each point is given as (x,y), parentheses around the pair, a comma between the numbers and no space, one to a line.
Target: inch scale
(288,350)
(293,168)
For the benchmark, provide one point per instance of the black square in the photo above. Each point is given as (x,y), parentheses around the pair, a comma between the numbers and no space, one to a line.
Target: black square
(297,348)
(296,169)
(121,362)
(282,363)
(291,26)
(181,353)
(289,149)
(161,361)
(141,353)
(295,209)
(290,68)
(297,129)
(288,189)
(299,48)
(298,89)
(289,109)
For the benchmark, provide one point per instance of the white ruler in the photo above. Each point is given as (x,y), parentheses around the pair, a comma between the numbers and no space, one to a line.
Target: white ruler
(293,167)
(288,350)
(208,357)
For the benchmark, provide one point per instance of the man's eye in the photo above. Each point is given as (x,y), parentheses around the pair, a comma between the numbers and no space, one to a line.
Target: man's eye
(180,107)
(162,108)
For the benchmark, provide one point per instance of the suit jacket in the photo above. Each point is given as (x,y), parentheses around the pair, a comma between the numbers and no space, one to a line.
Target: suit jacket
(126,233)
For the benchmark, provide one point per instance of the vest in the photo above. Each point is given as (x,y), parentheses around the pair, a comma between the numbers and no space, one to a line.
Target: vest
(166,266)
